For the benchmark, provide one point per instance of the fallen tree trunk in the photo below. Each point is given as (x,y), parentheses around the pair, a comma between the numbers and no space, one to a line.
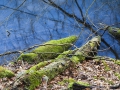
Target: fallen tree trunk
(32,77)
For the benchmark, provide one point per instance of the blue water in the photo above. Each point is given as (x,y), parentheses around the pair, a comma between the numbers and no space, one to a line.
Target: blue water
(39,22)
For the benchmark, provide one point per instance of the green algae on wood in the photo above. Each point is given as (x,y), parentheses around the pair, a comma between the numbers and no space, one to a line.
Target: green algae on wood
(5,73)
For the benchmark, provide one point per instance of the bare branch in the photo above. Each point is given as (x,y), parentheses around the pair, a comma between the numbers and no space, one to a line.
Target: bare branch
(80,10)
(19,10)
(81,21)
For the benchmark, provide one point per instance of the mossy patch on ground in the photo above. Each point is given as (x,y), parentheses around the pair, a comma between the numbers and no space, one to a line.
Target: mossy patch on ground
(106,66)
(117,62)
(70,82)
(5,73)
(118,75)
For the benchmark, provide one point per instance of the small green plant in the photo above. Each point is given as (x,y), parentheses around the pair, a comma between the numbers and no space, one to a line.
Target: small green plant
(106,67)
(102,78)
(110,82)
(70,82)
(118,75)
(117,62)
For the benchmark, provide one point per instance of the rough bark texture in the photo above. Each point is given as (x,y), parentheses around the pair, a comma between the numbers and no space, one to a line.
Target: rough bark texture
(33,76)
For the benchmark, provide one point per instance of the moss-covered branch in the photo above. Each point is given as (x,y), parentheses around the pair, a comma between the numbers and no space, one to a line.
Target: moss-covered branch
(49,50)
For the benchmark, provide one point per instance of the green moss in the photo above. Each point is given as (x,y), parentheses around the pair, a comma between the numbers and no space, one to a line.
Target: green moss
(40,65)
(118,75)
(77,58)
(86,50)
(29,57)
(70,82)
(64,54)
(100,78)
(33,76)
(51,48)
(5,73)
(106,66)
(117,62)
(110,82)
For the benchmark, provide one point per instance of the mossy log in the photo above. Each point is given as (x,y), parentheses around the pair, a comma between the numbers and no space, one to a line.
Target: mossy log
(88,50)
(5,73)
(33,76)
(49,50)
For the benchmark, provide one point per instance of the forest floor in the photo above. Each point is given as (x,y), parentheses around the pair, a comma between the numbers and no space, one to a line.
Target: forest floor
(98,73)
(101,74)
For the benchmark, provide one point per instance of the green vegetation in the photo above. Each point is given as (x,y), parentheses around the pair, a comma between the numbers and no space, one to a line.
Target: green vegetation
(86,50)
(33,76)
(70,82)
(110,82)
(40,65)
(101,78)
(29,57)
(106,66)
(5,73)
(118,75)
(64,54)
(117,62)
(49,50)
